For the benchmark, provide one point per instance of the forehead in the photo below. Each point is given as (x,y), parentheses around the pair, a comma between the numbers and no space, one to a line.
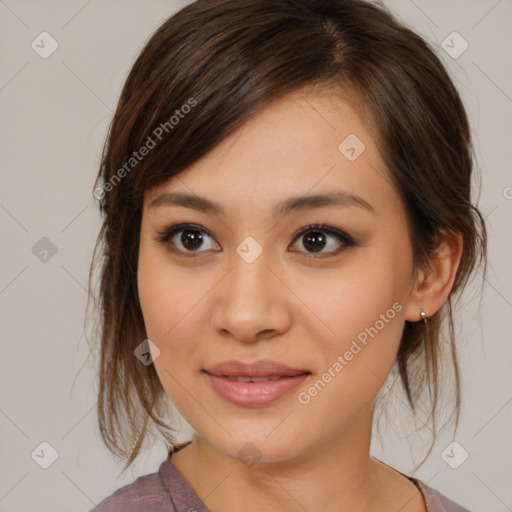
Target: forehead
(304,143)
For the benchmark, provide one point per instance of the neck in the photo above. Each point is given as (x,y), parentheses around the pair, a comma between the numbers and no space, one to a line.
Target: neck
(335,475)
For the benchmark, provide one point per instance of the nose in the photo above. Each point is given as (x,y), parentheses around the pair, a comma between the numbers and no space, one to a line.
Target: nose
(251,302)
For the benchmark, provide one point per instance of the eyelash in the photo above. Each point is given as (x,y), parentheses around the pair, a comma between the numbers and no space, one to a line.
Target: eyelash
(347,241)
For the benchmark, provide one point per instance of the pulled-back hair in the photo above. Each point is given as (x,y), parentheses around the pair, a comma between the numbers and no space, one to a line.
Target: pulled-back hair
(204,73)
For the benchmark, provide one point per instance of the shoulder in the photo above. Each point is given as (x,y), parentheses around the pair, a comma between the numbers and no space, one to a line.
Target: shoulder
(438,502)
(145,493)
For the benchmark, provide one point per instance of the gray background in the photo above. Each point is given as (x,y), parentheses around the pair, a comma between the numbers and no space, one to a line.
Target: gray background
(54,116)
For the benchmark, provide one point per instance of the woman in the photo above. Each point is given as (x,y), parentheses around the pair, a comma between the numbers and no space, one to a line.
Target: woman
(285,192)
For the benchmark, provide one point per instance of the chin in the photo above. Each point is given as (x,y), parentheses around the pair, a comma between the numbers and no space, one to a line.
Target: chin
(256,446)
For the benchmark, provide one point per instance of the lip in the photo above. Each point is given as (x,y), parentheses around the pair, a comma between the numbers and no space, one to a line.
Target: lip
(261,368)
(254,394)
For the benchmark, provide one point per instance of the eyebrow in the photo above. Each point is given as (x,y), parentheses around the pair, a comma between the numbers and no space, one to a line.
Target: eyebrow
(293,204)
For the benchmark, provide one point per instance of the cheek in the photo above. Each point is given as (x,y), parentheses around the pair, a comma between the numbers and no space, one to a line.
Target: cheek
(367,317)
(166,301)
(166,293)
(359,312)
(354,295)
(152,297)
(164,305)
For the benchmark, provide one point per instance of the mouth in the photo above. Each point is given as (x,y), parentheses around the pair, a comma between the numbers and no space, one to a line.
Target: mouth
(262,368)
(242,378)
(254,385)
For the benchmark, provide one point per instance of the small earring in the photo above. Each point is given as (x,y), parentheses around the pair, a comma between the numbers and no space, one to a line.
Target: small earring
(423,316)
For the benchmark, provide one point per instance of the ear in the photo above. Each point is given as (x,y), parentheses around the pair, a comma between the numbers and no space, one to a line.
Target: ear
(433,284)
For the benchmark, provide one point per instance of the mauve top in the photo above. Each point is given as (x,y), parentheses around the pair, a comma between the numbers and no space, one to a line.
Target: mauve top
(168,491)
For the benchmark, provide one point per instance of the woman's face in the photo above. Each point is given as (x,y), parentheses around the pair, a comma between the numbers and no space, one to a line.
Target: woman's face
(247,282)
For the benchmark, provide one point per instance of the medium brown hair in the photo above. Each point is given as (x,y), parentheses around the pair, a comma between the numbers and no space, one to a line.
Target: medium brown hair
(230,58)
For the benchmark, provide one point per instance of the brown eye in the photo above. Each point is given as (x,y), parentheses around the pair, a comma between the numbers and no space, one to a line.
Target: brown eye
(316,238)
(314,241)
(191,239)
(187,238)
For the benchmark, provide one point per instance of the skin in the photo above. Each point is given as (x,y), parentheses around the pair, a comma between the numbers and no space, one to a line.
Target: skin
(289,306)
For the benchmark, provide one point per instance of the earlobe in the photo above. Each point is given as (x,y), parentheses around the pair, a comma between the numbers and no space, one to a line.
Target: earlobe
(434,284)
